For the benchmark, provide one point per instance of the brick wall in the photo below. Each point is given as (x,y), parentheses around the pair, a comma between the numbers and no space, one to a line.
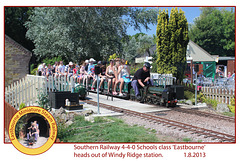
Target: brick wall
(231,66)
(16,61)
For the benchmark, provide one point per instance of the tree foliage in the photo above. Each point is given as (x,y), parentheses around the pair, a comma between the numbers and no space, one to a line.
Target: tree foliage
(15,17)
(214,31)
(172,40)
(79,32)
(138,45)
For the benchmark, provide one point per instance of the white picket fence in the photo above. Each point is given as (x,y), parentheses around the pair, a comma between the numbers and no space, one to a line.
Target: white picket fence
(26,90)
(222,95)
(162,79)
(60,84)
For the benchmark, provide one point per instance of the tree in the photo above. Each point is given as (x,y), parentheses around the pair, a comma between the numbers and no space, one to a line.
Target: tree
(214,31)
(79,32)
(15,17)
(145,43)
(130,49)
(172,40)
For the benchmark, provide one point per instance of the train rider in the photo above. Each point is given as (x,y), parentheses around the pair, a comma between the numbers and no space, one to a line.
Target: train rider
(123,71)
(141,79)
(49,71)
(117,75)
(94,82)
(110,73)
(103,73)
(61,69)
(90,71)
(70,69)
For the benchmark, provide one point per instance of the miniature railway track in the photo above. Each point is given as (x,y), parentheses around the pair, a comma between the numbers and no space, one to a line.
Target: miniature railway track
(204,114)
(199,113)
(170,123)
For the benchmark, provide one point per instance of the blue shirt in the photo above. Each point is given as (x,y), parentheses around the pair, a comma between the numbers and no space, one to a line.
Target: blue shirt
(90,69)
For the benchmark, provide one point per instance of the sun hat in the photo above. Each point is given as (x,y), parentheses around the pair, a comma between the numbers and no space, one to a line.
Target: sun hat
(70,63)
(86,61)
(92,60)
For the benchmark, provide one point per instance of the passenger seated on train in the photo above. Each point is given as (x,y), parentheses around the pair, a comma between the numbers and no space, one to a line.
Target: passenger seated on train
(103,73)
(70,69)
(110,73)
(81,73)
(117,76)
(49,70)
(56,74)
(124,76)
(94,82)
(61,69)
(90,72)
(141,79)
(43,69)
(54,69)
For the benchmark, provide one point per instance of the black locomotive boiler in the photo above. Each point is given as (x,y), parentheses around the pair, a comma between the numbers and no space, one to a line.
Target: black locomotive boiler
(158,95)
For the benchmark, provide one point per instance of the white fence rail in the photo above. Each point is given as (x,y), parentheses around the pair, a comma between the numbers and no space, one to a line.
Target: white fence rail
(27,89)
(222,95)
(60,84)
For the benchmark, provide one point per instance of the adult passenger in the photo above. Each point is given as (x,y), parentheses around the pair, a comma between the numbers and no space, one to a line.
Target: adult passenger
(125,76)
(141,79)
(40,69)
(90,71)
(110,73)
(99,64)
(117,75)
(103,73)
(61,69)
(70,69)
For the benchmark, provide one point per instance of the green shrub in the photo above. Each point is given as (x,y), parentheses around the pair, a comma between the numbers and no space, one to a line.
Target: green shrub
(52,60)
(232,107)
(201,97)
(43,99)
(113,56)
(34,71)
(188,95)
(154,67)
(22,105)
(134,68)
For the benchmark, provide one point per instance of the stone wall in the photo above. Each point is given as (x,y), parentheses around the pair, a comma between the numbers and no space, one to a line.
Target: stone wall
(16,61)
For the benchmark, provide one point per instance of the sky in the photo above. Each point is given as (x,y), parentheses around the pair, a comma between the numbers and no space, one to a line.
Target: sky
(190,12)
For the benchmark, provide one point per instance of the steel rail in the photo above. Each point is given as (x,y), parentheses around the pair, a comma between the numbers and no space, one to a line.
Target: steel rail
(171,123)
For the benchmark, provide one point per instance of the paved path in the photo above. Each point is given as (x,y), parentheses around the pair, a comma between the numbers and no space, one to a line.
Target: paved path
(41,140)
(127,104)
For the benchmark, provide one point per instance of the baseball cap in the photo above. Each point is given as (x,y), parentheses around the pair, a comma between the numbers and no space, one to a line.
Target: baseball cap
(147,65)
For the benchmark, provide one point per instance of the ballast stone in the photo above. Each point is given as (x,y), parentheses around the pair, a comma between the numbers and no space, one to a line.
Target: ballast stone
(222,107)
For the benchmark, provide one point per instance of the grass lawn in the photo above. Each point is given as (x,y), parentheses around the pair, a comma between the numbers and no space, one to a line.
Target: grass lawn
(108,129)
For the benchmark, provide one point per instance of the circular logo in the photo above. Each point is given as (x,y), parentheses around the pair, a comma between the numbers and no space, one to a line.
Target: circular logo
(29,131)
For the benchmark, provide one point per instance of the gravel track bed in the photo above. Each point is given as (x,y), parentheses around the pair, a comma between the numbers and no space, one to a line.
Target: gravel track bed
(201,121)
(172,134)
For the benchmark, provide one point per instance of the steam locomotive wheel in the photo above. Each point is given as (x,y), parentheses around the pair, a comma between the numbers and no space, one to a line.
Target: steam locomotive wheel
(148,100)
